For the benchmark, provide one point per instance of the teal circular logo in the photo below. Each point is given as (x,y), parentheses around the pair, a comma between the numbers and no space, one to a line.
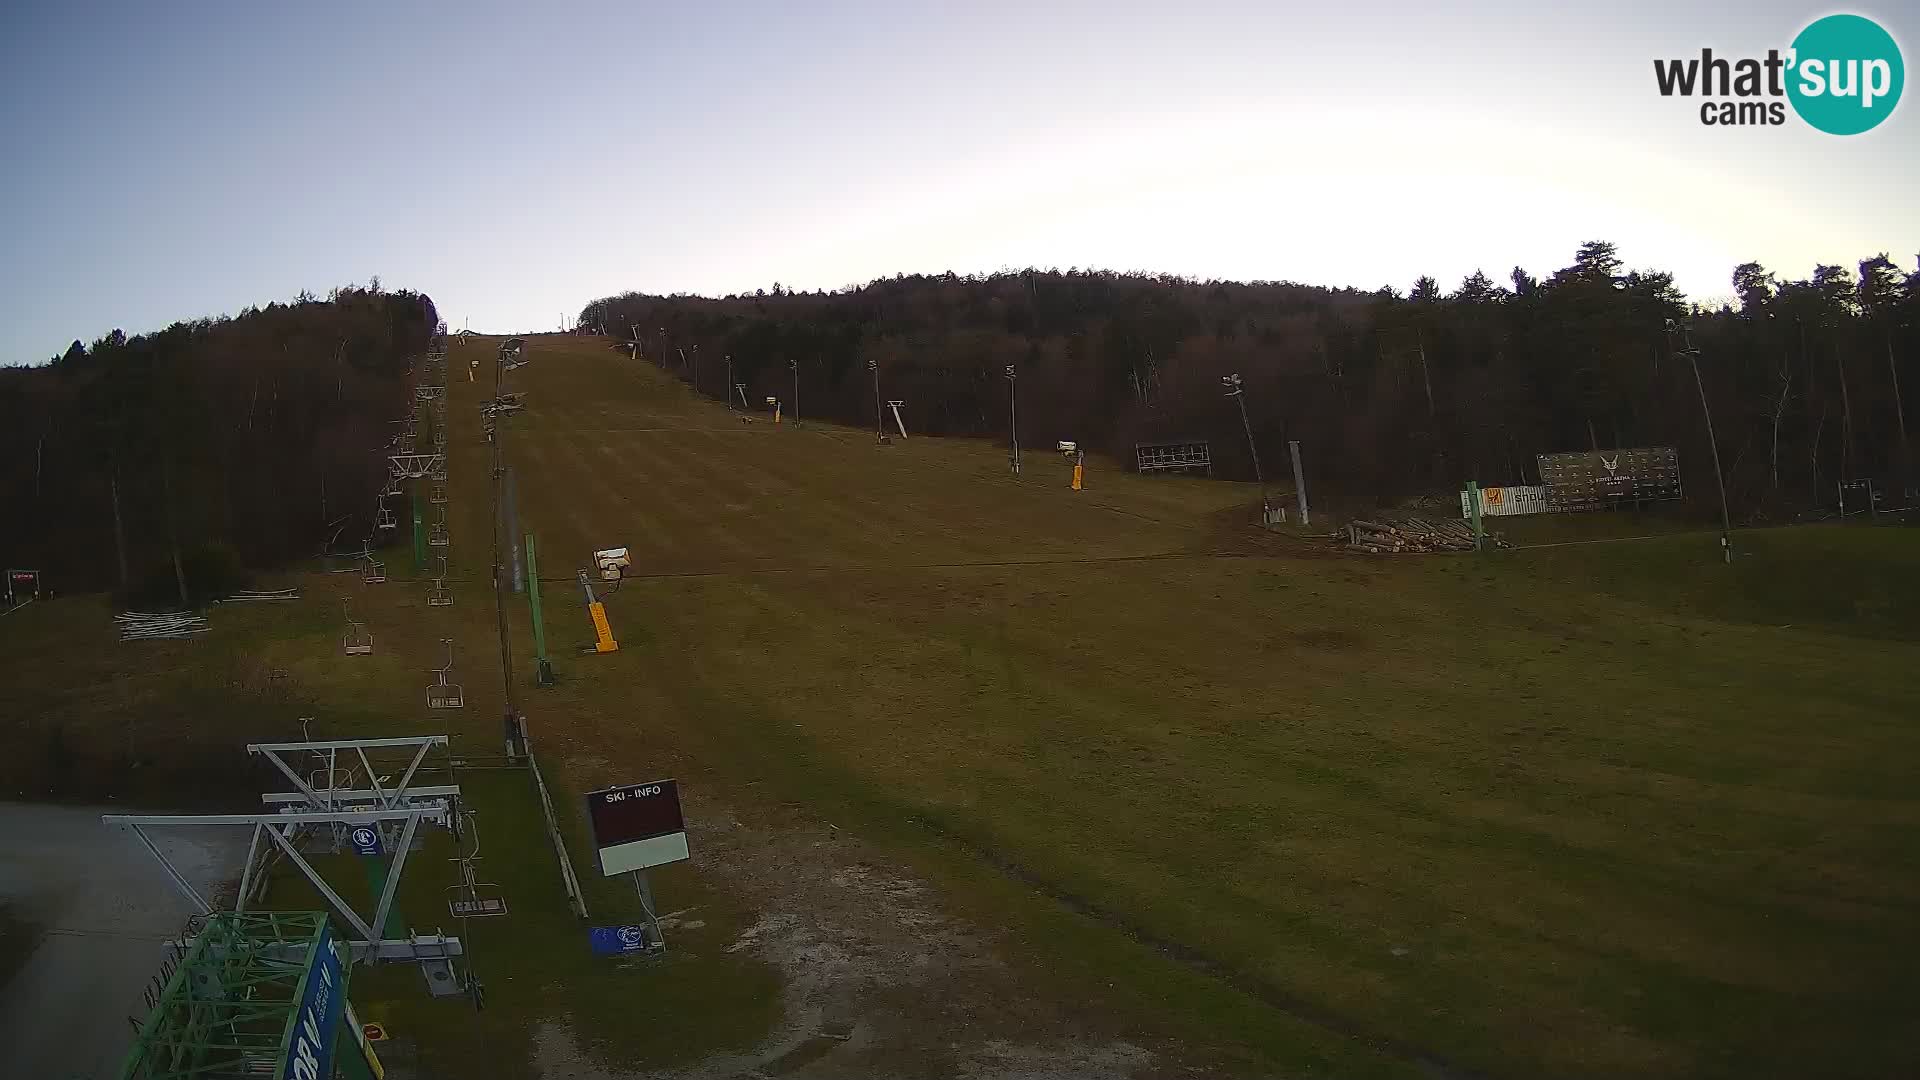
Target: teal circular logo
(1846,76)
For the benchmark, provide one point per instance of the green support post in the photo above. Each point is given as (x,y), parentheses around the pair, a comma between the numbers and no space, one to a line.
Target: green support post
(377,868)
(543,669)
(419,536)
(1473,508)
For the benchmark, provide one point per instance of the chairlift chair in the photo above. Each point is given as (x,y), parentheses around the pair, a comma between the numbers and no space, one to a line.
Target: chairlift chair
(472,898)
(438,535)
(376,572)
(443,694)
(440,597)
(325,780)
(439,497)
(383,518)
(357,641)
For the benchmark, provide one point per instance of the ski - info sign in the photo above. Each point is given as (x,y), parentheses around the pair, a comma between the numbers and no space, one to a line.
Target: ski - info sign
(637,826)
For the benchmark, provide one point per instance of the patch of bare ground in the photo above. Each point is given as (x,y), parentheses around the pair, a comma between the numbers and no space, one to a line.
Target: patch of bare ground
(879,980)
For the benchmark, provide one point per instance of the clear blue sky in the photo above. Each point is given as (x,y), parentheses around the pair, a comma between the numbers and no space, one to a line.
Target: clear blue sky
(166,161)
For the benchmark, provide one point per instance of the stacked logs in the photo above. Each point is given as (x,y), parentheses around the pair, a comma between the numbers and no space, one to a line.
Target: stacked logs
(1411,535)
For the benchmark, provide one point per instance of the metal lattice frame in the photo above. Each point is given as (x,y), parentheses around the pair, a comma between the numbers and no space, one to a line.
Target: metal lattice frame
(328,752)
(415,466)
(283,831)
(225,1003)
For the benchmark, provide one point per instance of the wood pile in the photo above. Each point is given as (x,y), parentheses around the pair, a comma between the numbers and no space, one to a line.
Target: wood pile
(145,626)
(1411,535)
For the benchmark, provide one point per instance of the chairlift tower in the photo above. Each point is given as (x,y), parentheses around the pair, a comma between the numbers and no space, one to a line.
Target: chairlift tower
(513,725)
(346,796)
(415,466)
(228,999)
(878,434)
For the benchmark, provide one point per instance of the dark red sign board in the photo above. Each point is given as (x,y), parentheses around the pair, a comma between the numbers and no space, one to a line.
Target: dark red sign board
(622,815)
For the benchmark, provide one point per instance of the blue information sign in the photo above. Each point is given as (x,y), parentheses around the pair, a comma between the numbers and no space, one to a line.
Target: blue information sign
(310,1049)
(365,840)
(615,940)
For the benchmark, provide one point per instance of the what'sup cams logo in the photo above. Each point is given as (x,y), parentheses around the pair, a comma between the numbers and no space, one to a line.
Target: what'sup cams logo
(1842,74)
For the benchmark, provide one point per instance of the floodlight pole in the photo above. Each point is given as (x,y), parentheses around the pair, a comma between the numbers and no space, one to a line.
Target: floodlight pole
(794,366)
(874,366)
(1726,525)
(1237,392)
(1013,425)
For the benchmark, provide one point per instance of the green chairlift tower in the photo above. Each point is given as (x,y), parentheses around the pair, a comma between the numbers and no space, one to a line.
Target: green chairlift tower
(254,994)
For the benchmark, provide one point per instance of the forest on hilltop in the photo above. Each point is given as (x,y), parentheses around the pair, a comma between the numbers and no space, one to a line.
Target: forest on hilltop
(207,448)
(1389,393)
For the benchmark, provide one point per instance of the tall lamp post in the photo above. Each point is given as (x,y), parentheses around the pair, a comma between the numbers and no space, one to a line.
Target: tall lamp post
(874,366)
(1238,393)
(793,365)
(729,385)
(515,729)
(1013,425)
(1692,354)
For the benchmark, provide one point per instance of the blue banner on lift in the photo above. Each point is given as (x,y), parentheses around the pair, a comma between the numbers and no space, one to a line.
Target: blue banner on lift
(310,1049)
(617,940)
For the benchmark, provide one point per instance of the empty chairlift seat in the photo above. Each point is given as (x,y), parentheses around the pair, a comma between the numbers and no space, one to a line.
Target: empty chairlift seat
(442,693)
(438,596)
(357,641)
